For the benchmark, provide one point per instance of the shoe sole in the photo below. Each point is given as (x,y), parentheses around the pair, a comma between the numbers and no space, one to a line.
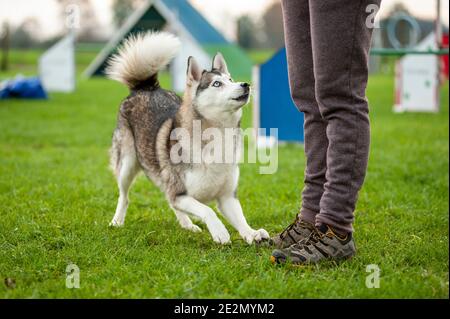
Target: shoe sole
(275,261)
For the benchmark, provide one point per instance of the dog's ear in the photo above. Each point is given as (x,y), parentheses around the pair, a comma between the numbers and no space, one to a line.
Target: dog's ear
(219,63)
(194,72)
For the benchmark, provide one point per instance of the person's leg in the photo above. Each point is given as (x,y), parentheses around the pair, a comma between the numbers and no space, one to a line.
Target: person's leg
(341,40)
(302,84)
(301,81)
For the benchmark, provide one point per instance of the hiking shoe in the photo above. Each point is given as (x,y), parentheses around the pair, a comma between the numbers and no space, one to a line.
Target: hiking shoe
(295,232)
(322,244)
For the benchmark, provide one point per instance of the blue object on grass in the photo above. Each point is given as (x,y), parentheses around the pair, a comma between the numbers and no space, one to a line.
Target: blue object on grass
(276,108)
(23,88)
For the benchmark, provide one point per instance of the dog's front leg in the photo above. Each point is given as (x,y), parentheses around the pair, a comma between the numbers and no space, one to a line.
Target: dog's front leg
(231,208)
(190,205)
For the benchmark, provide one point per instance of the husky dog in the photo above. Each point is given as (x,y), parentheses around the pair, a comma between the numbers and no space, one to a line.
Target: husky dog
(142,139)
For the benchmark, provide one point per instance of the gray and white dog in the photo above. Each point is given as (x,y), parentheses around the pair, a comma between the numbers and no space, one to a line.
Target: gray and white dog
(147,119)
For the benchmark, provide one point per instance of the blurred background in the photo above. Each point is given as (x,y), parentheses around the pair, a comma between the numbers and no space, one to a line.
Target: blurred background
(256,25)
(57,194)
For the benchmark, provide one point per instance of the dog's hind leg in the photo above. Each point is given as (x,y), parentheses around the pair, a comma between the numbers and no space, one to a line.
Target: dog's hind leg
(186,222)
(126,168)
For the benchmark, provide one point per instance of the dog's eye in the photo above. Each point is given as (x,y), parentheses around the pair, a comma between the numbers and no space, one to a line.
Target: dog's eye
(217,84)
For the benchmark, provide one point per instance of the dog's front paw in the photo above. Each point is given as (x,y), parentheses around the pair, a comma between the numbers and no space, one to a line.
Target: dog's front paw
(116,223)
(222,238)
(256,236)
(193,228)
(220,234)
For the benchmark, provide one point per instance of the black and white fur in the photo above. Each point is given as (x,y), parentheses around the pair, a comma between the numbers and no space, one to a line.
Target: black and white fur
(141,141)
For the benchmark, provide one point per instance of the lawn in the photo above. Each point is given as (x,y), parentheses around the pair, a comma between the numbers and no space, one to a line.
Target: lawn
(57,197)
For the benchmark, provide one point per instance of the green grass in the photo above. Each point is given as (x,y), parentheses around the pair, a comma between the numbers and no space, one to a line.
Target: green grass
(57,197)
(260,56)
(25,62)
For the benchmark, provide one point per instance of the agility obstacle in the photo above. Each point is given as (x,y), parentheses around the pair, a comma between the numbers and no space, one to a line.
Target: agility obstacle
(418,77)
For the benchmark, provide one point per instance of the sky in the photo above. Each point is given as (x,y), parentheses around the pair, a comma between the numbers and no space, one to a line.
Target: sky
(222,14)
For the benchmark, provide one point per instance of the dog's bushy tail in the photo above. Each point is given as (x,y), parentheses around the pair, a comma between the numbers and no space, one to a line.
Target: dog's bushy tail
(141,56)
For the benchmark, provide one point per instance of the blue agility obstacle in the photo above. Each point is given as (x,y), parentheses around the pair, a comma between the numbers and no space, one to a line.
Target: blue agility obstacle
(22,88)
(273,105)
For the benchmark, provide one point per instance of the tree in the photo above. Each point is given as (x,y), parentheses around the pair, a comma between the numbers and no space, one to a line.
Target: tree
(25,36)
(4,41)
(122,10)
(273,25)
(396,8)
(246,32)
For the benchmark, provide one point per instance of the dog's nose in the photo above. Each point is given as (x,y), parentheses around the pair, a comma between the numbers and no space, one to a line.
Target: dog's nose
(245,85)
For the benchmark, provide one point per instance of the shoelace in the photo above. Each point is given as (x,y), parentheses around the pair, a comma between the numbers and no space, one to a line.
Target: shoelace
(315,237)
(288,229)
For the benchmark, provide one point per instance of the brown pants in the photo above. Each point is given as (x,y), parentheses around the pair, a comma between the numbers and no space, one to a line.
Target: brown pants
(327,43)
